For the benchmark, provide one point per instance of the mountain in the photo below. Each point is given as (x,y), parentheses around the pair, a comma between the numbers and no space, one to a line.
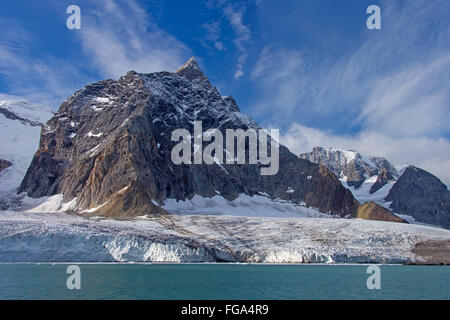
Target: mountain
(20,126)
(383,178)
(421,195)
(108,151)
(411,193)
(348,165)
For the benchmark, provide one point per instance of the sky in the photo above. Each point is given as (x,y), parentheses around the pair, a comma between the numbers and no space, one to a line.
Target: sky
(309,68)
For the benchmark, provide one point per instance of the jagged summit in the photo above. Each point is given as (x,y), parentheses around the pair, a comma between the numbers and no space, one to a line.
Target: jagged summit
(191,71)
(349,165)
(191,63)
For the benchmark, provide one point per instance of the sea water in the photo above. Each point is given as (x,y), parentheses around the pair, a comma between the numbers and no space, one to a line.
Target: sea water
(222,281)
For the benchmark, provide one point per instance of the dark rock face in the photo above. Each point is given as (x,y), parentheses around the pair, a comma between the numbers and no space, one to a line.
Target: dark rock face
(4,164)
(109,145)
(383,177)
(350,165)
(421,195)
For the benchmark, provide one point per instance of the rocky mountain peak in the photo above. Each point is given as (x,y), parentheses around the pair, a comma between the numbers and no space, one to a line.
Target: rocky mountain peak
(382,179)
(108,150)
(191,71)
(423,196)
(349,165)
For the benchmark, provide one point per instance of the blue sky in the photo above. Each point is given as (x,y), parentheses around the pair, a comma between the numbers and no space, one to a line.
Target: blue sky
(310,68)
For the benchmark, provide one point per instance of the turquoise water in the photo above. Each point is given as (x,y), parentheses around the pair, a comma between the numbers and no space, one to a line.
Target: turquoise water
(222,281)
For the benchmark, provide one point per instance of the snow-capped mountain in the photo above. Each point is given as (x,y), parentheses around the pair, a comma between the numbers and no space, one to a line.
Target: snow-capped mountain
(107,151)
(350,166)
(410,192)
(20,128)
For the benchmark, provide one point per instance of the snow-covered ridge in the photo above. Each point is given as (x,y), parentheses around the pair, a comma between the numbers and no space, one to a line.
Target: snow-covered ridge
(343,162)
(19,140)
(33,237)
(26,110)
(357,172)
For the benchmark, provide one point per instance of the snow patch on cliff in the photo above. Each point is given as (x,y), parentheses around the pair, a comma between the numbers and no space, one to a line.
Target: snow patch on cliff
(244,205)
(362,194)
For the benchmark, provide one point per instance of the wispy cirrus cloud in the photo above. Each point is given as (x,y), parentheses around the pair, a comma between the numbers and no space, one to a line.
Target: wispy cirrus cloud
(392,69)
(280,74)
(242,33)
(429,153)
(410,102)
(213,32)
(116,36)
(231,16)
(120,36)
(388,96)
(44,79)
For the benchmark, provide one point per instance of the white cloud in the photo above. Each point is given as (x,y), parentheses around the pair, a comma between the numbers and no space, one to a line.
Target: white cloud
(411,102)
(400,70)
(234,16)
(121,37)
(274,65)
(394,86)
(243,36)
(45,79)
(213,32)
(290,88)
(117,37)
(219,45)
(431,154)
(279,72)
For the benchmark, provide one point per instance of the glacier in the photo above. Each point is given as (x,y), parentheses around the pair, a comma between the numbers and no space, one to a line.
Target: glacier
(63,237)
